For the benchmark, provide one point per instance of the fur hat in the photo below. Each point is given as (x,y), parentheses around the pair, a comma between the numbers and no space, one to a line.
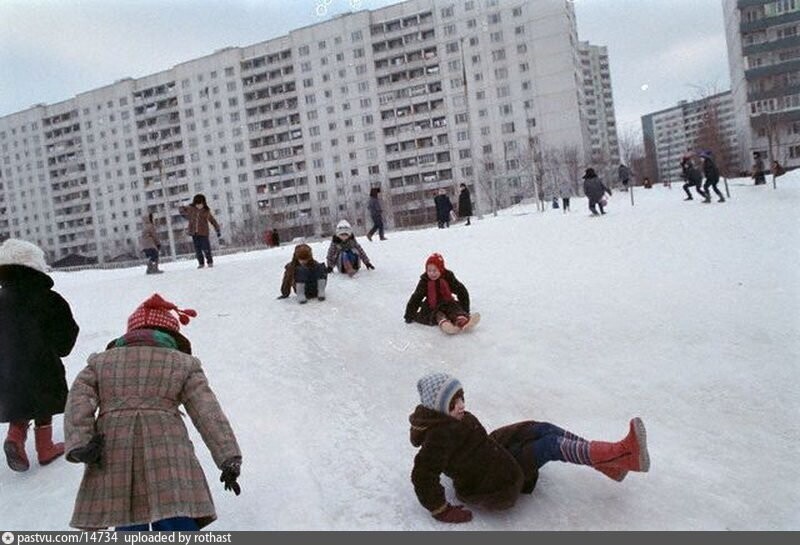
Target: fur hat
(303,252)
(437,260)
(590,173)
(436,390)
(344,228)
(155,312)
(20,252)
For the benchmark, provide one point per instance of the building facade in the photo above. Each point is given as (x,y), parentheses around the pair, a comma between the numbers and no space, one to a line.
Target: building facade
(598,108)
(293,132)
(763,39)
(689,127)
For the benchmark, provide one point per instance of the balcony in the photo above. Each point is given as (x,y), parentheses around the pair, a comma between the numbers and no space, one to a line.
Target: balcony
(772,70)
(774,93)
(767,22)
(775,45)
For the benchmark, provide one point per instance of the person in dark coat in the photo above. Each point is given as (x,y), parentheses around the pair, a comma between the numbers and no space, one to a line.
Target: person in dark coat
(443,208)
(36,330)
(712,177)
(345,253)
(594,189)
(492,470)
(759,174)
(199,216)
(692,176)
(304,275)
(376,213)
(433,301)
(465,204)
(624,174)
(276,239)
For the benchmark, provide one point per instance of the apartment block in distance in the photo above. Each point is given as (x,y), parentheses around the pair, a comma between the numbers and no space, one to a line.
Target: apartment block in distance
(707,123)
(292,133)
(764,59)
(598,109)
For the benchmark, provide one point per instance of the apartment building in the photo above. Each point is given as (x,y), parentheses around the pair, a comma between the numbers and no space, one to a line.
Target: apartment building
(292,132)
(598,109)
(708,123)
(763,39)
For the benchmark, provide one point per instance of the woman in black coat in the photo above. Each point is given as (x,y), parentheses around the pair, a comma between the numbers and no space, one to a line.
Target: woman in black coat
(464,204)
(36,330)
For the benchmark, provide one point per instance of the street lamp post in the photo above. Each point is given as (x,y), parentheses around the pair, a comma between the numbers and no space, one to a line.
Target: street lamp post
(154,136)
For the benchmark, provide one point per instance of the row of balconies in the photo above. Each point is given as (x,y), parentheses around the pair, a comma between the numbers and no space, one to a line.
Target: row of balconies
(151,92)
(272,139)
(413,109)
(409,92)
(162,149)
(66,185)
(270,124)
(69,197)
(397,24)
(403,41)
(168,134)
(67,171)
(159,120)
(279,170)
(73,210)
(272,58)
(408,75)
(272,90)
(278,73)
(418,160)
(60,118)
(418,125)
(405,58)
(277,106)
(65,158)
(157,106)
(417,144)
(277,155)
(62,131)
(58,147)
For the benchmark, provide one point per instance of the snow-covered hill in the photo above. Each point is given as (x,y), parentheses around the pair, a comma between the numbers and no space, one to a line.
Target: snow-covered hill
(684,313)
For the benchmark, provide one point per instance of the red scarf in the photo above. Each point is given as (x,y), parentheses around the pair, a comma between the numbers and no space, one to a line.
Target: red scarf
(433,292)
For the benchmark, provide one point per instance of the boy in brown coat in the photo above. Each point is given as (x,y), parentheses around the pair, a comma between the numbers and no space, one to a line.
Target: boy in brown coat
(491,470)
(123,421)
(306,276)
(199,216)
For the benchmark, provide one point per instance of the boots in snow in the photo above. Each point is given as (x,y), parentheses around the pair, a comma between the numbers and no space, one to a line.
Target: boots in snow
(449,327)
(152,268)
(472,322)
(14,446)
(629,454)
(46,450)
(321,284)
(300,288)
(707,199)
(721,199)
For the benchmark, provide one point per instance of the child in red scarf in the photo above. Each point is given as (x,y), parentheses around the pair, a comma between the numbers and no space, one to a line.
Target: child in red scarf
(440,299)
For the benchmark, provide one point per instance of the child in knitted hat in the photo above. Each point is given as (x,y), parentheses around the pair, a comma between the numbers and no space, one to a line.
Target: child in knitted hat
(345,253)
(123,421)
(491,470)
(433,301)
(306,276)
(36,330)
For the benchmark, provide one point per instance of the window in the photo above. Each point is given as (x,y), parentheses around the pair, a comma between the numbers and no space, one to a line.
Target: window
(322,45)
(356,36)
(493,18)
(499,55)
(447,12)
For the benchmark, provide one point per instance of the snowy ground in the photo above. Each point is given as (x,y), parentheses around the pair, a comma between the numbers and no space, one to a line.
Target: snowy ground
(684,313)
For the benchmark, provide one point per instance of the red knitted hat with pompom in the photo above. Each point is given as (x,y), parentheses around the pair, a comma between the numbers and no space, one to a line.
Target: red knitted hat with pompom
(156,312)
(437,260)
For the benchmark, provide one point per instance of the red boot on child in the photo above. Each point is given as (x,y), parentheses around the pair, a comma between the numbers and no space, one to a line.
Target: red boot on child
(46,450)
(630,454)
(14,446)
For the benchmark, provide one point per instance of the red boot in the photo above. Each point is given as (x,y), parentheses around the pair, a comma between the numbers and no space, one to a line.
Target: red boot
(46,450)
(14,446)
(630,454)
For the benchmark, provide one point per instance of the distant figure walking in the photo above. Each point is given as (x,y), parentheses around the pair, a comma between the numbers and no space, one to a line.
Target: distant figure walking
(565,190)
(199,216)
(624,174)
(443,208)
(692,176)
(465,204)
(151,246)
(758,169)
(594,189)
(376,213)
(712,177)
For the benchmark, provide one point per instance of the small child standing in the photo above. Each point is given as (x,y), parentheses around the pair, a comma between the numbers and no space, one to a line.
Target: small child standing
(123,421)
(345,253)
(307,277)
(432,302)
(491,470)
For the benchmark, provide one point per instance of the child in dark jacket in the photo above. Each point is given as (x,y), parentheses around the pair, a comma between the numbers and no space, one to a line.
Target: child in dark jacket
(491,470)
(307,277)
(432,302)
(345,253)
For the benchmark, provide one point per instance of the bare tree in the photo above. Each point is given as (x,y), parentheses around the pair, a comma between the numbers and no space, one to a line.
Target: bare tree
(571,160)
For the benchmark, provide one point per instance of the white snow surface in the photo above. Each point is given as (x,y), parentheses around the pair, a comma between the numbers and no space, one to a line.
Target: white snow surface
(686,314)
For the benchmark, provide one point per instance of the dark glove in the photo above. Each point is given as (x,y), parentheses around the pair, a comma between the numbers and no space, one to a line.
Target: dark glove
(282,297)
(371,267)
(230,472)
(329,269)
(158,247)
(454,514)
(408,320)
(219,234)
(91,453)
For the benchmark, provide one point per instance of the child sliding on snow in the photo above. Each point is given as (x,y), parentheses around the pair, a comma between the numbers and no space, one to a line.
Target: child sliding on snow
(432,303)
(345,253)
(491,470)
(307,277)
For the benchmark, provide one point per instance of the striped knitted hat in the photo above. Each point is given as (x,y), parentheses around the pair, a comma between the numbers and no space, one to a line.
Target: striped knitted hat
(156,312)
(436,390)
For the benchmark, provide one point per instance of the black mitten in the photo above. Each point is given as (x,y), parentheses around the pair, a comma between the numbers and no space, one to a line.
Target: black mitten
(230,472)
(91,453)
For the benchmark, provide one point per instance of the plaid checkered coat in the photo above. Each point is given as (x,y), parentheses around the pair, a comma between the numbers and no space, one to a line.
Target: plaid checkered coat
(148,470)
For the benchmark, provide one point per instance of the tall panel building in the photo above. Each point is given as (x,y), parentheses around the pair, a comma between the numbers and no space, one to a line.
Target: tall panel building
(292,132)
(707,123)
(598,109)
(764,58)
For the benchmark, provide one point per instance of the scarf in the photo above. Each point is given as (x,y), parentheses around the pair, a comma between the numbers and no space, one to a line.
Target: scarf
(436,287)
(145,337)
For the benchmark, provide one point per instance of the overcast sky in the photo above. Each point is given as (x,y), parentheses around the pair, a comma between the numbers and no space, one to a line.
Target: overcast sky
(661,51)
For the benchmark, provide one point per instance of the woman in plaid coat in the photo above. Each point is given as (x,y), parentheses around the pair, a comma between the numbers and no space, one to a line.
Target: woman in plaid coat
(122,420)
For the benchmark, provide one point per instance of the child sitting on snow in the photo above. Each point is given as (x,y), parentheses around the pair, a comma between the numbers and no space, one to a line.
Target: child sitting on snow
(345,253)
(307,277)
(123,421)
(491,470)
(432,302)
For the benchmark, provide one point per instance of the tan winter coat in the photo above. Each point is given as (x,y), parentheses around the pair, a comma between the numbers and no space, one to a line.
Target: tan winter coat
(198,220)
(148,470)
(149,240)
